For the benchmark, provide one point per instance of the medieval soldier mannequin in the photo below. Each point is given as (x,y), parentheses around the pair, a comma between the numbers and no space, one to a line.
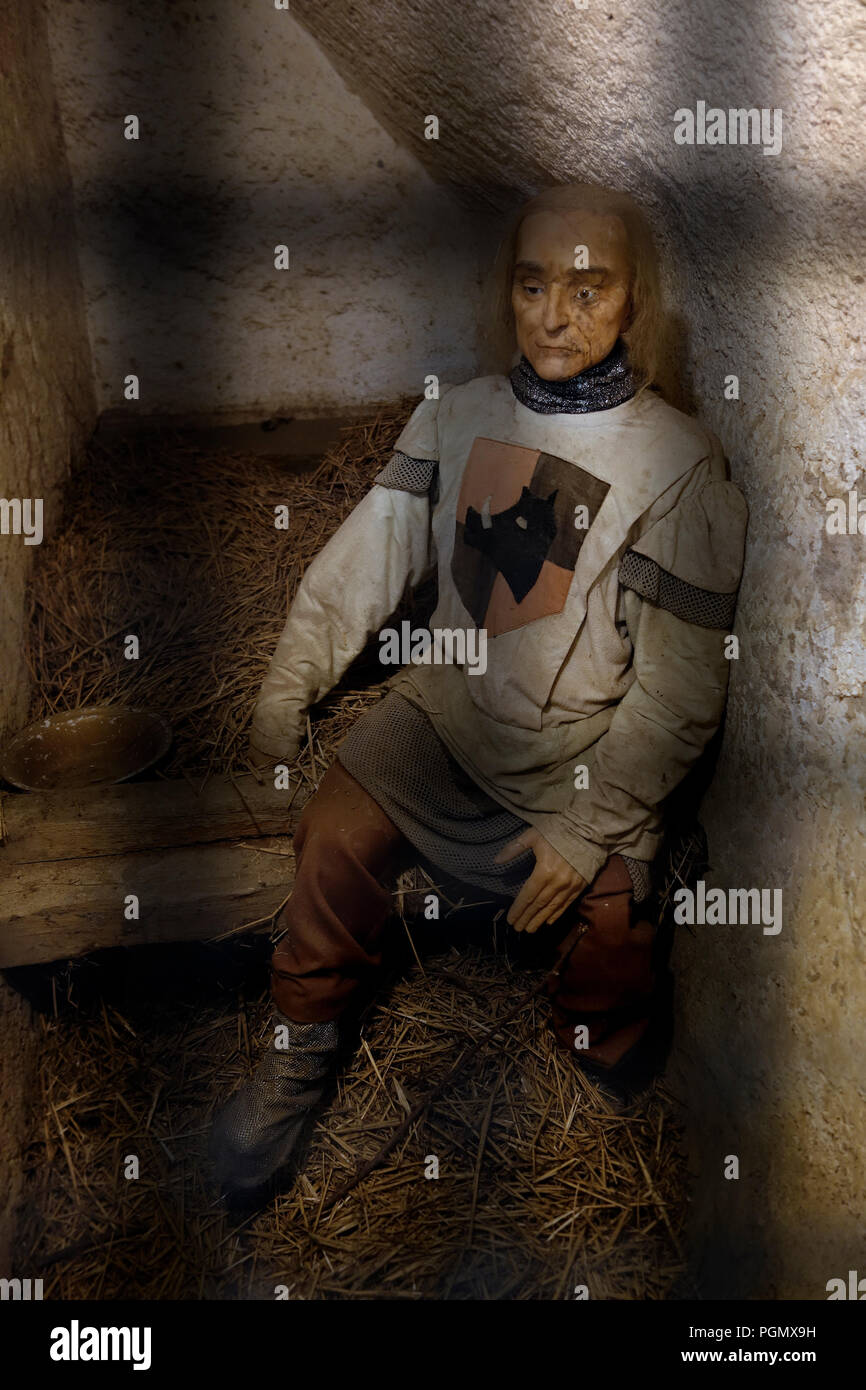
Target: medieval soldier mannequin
(590,530)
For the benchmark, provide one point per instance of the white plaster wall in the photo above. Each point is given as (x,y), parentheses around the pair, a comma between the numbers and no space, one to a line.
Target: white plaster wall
(249,139)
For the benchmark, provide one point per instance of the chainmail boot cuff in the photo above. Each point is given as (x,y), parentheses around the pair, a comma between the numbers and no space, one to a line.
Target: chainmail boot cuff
(254,1136)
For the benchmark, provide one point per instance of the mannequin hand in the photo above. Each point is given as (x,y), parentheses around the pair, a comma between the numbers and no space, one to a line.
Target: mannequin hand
(551,887)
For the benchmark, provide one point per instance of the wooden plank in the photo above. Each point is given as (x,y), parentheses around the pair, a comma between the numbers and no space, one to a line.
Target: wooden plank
(188,894)
(120,819)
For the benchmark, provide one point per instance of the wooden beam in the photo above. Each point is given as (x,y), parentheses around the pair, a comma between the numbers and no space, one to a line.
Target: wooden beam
(39,827)
(188,894)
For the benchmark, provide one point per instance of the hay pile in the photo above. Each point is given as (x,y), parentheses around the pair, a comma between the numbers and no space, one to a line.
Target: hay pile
(177,545)
(545,1183)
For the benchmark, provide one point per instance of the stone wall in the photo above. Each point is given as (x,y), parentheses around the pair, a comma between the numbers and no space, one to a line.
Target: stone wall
(46,411)
(248,140)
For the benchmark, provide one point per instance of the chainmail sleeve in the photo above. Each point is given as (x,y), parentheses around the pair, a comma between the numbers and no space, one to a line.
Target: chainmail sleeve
(405,474)
(689,563)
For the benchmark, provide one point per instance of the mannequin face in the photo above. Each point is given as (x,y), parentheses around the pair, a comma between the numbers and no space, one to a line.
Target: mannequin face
(568,319)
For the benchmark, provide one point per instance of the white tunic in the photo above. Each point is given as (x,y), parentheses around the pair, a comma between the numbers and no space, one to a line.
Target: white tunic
(629,543)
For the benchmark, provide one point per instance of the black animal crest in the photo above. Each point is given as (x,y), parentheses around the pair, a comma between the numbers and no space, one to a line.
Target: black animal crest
(516,540)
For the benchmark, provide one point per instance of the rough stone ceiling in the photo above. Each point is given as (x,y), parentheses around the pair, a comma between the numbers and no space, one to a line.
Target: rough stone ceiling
(544,91)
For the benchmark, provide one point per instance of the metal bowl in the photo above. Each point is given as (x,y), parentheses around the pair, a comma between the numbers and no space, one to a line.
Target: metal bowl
(85,747)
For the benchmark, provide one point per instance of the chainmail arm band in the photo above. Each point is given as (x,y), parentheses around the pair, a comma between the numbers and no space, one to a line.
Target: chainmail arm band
(405,474)
(665,590)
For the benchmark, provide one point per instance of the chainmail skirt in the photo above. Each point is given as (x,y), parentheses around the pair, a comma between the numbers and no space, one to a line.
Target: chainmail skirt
(395,754)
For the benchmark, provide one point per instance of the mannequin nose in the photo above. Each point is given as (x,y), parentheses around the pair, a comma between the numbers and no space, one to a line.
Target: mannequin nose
(555,315)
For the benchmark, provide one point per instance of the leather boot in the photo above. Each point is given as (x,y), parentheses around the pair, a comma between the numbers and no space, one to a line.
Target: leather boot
(254,1136)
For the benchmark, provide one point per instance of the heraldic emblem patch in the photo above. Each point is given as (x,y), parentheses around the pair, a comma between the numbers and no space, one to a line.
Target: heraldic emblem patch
(522,516)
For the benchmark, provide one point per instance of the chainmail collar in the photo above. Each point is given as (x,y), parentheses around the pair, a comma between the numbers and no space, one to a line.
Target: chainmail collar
(609,383)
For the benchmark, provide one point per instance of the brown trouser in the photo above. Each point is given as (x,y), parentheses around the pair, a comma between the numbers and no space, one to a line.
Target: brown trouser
(344,845)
